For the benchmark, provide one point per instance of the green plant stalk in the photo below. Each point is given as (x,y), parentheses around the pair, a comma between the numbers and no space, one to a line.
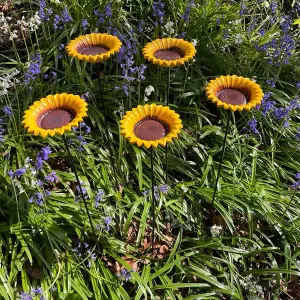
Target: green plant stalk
(106,127)
(167,102)
(223,151)
(79,184)
(295,190)
(153,199)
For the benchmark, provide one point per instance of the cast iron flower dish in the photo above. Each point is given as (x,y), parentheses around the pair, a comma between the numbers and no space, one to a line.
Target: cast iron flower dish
(234,92)
(54,114)
(94,47)
(169,52)
(150,125)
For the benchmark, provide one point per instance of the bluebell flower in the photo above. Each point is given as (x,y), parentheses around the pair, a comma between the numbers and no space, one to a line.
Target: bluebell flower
(34,68)
(262,31)
(65,17)
(38,291)
(107,222)
(56,21)
(140,26)
(47,193)
(99,197)
(225,35)
(158,10)
(19,172)
(43,12)
(295,185)
(298,85)
(125,275)
(37,197)
(84,24)
(271,82)
(297,176)
(185,16)
(164,188)
(11,174)
(243,9)
(52,177)
(25,296)
(273,6)
(61,46)
(7,111)
(85,96)
(253,126)
(125,89)
(42,156)
(107,10)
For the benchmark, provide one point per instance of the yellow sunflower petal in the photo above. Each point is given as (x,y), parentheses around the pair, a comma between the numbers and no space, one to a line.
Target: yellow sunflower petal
(67,111)
(181,51)
(159,125)
(248,89)
(101,46)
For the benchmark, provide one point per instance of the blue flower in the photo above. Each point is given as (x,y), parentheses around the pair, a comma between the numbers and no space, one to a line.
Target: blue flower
(253,126)
(52,177)
(99,197)
(38,291)
(56,21)
(273,6)
(185,16)
(164,188)
(66,18)
(107,10)
(125,275)
(42,156)
(44,13)
(25,296)
(158,10)
(107,222)
(84,24)
(19,172)
(11,174)
(34,68)
(7,111)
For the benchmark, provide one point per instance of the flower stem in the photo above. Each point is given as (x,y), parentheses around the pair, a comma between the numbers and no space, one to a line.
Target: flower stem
(222,156)
(153,199)
(78,183)
(106,126)
(167,102)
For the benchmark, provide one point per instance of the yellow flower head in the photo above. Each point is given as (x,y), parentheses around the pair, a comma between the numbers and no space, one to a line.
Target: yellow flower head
(95,47)
(169,52)
(234,92)
(54,114)
(150,125)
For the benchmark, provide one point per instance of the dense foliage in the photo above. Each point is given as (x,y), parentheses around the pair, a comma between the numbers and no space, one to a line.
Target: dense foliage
(245,247)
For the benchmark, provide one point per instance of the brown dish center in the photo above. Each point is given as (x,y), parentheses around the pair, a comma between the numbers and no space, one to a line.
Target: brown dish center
(56,118)
(150,129)
(233,97)
(92,50)
(169,54)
